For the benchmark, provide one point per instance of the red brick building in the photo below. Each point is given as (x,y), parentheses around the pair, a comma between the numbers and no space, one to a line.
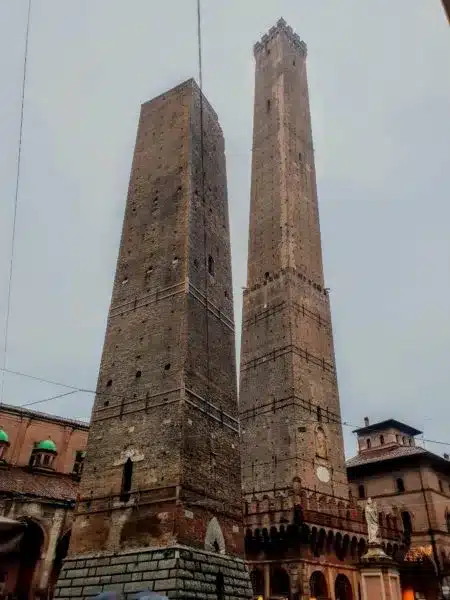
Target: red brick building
(41,458)
(413,484)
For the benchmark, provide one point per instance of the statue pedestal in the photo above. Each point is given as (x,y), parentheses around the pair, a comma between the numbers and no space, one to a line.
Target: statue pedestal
(380,579)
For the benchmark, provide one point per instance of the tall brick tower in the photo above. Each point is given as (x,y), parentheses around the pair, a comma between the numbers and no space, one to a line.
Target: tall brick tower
(289,402)
(160,495)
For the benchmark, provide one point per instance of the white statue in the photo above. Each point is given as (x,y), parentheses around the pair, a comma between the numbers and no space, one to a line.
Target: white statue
(373,522)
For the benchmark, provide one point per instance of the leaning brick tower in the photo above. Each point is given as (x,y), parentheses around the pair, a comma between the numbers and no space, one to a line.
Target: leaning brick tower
(160,503)
(289,402)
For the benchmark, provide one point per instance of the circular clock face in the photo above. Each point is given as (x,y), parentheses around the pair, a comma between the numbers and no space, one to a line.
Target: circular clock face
(323,474)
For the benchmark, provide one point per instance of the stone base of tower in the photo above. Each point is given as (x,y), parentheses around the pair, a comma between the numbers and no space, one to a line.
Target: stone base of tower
(176,572)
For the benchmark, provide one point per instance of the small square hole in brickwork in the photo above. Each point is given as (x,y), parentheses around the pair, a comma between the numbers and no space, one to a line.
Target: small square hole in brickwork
(138,374)
(106,403)
(109,383)
(167,367)
(195,263)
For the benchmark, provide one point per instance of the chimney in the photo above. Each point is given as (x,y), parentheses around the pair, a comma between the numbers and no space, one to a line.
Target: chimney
(447,457)
(366,421)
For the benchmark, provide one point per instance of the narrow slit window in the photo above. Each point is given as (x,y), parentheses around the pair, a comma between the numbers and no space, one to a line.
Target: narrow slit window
(268,105)
(127,478)
(211,265)
(400,485)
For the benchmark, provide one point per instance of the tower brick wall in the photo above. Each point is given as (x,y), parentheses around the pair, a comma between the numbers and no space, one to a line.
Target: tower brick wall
(166,396)
(289,402)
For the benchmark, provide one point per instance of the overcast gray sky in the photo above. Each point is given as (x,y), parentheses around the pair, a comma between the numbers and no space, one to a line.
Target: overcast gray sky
(379,76)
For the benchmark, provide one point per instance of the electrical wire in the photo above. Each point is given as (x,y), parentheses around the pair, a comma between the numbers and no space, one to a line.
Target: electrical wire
(111,394)
(16,197)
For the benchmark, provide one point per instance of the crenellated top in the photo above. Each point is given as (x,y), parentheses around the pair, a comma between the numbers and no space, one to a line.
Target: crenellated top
(281,28)
(311,507)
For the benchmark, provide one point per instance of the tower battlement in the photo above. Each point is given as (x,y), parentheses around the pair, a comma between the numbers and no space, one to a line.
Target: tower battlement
(297,505)
(281,28)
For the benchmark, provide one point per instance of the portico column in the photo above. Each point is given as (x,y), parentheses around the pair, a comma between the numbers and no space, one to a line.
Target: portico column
(49,555)
(266,581)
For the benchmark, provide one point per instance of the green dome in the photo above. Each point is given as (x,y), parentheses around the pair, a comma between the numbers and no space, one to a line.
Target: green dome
(3,436)
(47,445)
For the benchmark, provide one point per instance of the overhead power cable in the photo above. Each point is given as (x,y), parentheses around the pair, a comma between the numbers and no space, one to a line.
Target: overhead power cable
(16,196)
(84,390)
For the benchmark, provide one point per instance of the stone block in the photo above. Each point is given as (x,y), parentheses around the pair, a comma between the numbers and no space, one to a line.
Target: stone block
(147,566)
(74,573)
(98,562)
(138,586)
(164,585)
(121,560)
(92,590)
(145,556)
(72,591)
(160,574)
(182,573)
(167,564)
(111,570)
(113,587)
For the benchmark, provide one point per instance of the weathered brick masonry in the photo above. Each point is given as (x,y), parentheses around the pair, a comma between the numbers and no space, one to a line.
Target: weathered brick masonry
(289,402)
(163,461)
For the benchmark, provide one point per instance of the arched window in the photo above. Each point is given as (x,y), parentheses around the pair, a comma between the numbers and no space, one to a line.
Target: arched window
(368,442)
(404,440)
(361,491)
(398,438)
(220,586)
(381,439)
(407,524)
(400,485)
(127,478)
